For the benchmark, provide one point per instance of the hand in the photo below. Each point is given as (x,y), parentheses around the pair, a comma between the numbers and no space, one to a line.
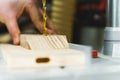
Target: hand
(11,10)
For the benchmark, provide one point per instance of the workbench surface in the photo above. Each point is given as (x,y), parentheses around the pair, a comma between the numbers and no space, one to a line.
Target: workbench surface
(100,69)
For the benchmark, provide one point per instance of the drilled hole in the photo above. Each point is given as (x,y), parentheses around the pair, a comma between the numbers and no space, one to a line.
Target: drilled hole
(42,60)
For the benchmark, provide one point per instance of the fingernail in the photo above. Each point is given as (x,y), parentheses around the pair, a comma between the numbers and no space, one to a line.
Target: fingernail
(51,32)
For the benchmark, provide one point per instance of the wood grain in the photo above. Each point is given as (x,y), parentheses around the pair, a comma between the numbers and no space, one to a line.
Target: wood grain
(41,42)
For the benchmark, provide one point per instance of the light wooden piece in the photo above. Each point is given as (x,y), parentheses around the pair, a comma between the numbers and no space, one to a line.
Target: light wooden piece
(42,51)
(41,42)
(19,57)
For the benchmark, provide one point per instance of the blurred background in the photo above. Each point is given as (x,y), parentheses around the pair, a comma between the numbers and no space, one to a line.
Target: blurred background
(82,21)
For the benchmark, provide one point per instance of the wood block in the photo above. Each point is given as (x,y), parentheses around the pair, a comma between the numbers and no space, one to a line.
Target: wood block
(19,57)
(42,51)
(41,42)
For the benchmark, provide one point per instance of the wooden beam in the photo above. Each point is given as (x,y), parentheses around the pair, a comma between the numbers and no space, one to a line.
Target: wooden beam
(41,42)
(19,57)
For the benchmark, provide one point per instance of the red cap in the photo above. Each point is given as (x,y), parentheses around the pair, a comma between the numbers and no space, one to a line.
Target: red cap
(94,53)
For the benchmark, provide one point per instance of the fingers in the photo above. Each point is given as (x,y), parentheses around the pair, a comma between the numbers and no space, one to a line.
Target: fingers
(37,18)
(13,29)
(50,26)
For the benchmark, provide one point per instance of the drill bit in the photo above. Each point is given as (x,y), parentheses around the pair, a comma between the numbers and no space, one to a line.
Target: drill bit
(44,17)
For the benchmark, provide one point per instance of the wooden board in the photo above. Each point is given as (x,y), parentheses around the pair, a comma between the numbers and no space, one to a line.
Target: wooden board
(18,57)
(40,42)
(42,51)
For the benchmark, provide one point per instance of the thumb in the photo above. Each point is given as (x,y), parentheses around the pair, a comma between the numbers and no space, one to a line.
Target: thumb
(13,29)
